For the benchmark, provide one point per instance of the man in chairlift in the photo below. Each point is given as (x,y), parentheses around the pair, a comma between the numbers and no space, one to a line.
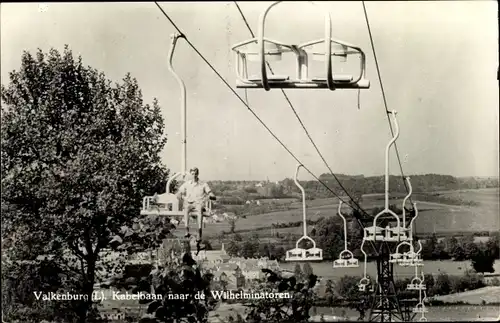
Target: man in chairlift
(194,194)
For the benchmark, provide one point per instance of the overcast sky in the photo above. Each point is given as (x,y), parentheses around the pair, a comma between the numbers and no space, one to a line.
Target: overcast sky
(438,62)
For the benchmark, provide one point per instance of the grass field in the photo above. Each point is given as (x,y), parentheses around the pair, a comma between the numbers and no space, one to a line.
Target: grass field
(326,270)
(490,294)
(435,314)
(433,217)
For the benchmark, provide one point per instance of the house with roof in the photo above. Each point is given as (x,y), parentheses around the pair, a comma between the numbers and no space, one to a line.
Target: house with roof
(238,271)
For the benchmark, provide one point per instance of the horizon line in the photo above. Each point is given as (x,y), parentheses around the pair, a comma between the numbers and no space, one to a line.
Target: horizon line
(359,175)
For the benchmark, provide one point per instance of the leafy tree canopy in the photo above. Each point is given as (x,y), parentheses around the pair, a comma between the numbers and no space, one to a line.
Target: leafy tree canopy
(78,155)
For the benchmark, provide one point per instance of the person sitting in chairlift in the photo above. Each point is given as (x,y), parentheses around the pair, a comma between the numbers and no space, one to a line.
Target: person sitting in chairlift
(194,194)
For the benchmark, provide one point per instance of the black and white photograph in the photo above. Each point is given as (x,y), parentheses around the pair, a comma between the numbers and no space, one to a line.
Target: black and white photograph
(250,161)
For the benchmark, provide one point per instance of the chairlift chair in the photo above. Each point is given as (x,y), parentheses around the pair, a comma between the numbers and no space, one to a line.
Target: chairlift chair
(346,262)
(417,261)
(406,259)
(420,308)
(363,283)
(413,258)
(373,233)
(346,258)
(300,254)
(264,48)
(416,284)
(407,232)
(395,257)
(398,257)
(167,204)
(365,280)
(395,233)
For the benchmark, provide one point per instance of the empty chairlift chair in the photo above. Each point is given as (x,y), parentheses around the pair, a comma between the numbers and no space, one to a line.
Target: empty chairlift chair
(406,232)
(263,49)
(403,259)
(420,308)
(365,281)
(415,257)
(301,254)
(346,258)
(416,283)
(390,234)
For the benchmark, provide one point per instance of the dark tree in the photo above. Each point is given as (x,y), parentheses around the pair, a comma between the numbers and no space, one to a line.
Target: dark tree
(297,272)
(483,261)
(78,155)
(232,225)
(183,284)
(293,309)
(233,249)
(493,245)
(307,269)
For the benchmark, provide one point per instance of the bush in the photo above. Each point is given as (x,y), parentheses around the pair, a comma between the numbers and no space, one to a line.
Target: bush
(442,285)
(495,282)
(447,284)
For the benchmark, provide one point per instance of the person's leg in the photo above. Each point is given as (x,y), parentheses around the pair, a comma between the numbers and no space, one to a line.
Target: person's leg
(199,211)
(187,209)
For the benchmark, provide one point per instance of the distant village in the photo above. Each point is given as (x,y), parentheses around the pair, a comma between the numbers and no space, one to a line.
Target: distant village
(229,273)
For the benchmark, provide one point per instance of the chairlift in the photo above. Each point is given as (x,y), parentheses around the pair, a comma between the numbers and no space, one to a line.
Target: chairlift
(300,254)
(390,234)
(414,258)
(262,49)
(417,260)
(404,258)
(365,280)
(167,204)
(416,283)
(346,258)
(406,231)
(374,233)
(420,308)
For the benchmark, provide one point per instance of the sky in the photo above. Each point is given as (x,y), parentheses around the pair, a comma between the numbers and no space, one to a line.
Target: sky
(438,63)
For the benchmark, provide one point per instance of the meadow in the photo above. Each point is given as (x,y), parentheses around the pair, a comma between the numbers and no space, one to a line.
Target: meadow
(326,271)
(433,217)
(489,294)
(435,314)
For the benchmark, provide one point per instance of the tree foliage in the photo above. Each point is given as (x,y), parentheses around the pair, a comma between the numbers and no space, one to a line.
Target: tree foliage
(180,282)
(293,309)
(22,279)
(483,262)
(307,269)
(78,155)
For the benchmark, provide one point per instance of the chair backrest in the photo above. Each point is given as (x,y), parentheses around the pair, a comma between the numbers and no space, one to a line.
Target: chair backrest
(168,200)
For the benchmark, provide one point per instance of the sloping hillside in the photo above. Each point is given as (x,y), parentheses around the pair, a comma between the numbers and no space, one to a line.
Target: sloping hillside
(490,294)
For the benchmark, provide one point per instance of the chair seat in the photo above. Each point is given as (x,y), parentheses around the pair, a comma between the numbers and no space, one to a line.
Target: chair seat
(271,78)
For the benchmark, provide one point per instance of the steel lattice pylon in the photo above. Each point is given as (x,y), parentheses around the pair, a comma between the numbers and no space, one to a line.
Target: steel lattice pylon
(385,303)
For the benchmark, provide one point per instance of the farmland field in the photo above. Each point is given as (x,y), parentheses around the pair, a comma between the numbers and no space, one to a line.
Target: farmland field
(436,313)
(433,217)
(326,271)
(490,294)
